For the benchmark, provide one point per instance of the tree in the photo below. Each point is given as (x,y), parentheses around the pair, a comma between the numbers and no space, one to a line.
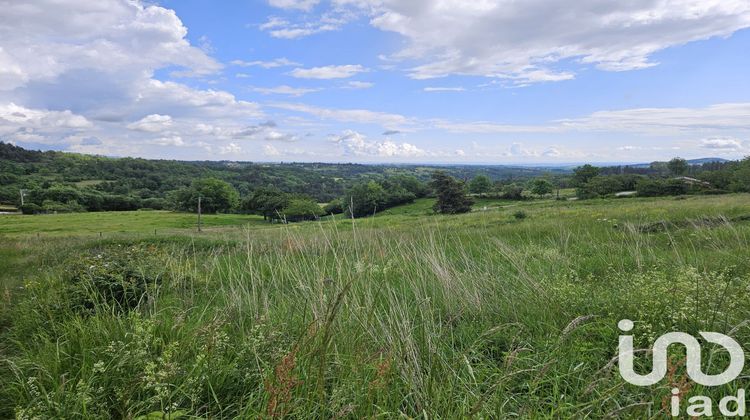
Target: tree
(410,183)
(451,194)
(336,206)
(265,201)
(216,196)
(741,175)
(582,174)
(299,209)
(659,187)
(541,187)
(366,198)
(678,166)
(512,192)
(481,185)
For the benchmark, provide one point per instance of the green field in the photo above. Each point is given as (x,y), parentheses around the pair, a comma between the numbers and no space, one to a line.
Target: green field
(136,222)
(405,314)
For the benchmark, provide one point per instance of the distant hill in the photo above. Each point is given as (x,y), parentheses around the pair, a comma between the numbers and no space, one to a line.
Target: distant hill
(701,161)
(141,180)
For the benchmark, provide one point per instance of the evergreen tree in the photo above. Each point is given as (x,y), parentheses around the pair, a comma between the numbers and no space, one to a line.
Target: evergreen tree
(451,194)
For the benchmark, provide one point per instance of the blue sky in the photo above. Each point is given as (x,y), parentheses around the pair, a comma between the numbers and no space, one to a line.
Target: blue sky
(448,81)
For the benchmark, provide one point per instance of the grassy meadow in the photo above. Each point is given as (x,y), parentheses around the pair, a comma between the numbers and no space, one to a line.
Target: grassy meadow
(508,311)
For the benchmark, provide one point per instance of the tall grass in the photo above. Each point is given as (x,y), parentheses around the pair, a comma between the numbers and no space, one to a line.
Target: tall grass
(477,315)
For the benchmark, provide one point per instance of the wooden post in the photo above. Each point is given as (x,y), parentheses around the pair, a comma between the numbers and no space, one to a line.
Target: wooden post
(199,213)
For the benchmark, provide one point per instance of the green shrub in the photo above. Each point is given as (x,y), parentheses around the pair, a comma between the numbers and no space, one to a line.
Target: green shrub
(520,215)
(30,208)
(115,279)
(300,209)
(334,207)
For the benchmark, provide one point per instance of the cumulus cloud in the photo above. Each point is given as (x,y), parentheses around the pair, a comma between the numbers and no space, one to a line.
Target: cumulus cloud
(43,41)
(22,124)
(328,72)
(153,123)
(230,149)
(263,131)
(528,41)
(169,141)
(99,59)
(12,115)
(270,150)
(357,144)
(722,143)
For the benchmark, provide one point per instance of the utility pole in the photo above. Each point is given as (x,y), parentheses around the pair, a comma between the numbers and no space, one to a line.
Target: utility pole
(199,213)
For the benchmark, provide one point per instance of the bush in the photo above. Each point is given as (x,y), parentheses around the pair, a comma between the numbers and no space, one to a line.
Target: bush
(512,192)
(115,279)
(30,208)
(520,215)
(300,209)
(50,206)
(334,207)
(661,187)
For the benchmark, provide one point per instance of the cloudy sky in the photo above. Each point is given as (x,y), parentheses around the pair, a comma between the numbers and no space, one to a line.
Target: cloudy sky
(451,81)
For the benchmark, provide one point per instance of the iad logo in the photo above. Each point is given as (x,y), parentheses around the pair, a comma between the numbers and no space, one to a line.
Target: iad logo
(702,405)
(693,362)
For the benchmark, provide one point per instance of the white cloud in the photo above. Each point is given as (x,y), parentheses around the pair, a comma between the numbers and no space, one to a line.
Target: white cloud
(230,149)
(721,143)
(153,123)
(526,41)
(443,89)
(361,116)
(99,58)
(22,124)
(357,144)
(305,5)
(658,121)
(44,40)
(270,150)
(354,84)
(169,141)
(284,90)
(281,28)
(278,62)
(551,152)
(263,131)
(666,120)
(12,115)
(460,152)
(328,72)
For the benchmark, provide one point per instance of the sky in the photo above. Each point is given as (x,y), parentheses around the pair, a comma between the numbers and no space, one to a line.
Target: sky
(390,81)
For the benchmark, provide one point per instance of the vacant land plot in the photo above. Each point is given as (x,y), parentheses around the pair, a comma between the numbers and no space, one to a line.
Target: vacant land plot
(403,314)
